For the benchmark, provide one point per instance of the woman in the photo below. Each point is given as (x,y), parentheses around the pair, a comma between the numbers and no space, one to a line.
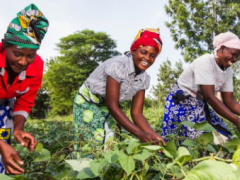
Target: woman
(21,72)
(196,89)
(116,80)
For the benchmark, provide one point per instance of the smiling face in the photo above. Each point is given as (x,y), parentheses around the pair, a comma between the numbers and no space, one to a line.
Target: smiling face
(227,56)
(144,57)
(19,59)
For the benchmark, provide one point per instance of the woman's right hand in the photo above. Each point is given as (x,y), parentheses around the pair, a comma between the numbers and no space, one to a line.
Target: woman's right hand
(10,159)
(151,137)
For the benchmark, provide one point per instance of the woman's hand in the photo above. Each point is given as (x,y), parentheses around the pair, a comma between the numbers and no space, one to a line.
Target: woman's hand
(151,137)
(25,139)
(10,159)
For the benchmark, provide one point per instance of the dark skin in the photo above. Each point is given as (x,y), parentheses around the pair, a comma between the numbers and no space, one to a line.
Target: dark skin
(17,61)
(228,108)
(143,58)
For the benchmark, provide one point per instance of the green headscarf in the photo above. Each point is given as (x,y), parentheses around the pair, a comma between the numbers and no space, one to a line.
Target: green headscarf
(28,29)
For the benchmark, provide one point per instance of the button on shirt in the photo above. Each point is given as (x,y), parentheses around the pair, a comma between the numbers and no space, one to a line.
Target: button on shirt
(24,87)
(121,69)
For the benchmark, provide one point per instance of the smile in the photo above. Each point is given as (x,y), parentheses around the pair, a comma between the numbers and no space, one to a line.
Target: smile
(144,63)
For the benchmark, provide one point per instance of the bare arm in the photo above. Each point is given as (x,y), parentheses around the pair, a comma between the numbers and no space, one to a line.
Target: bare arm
(217,105)
(230,102)
(137,112)
(112,100)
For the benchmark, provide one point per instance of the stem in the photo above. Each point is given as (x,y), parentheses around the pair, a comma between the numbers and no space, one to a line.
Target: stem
(182,171)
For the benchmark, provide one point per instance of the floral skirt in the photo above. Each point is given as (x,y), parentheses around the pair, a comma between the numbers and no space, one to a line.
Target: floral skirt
(6,125)
(188,109)
(92,120)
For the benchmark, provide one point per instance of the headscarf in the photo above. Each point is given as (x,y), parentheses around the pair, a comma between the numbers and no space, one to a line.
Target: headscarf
(28,29)
(226,39)
(147,37)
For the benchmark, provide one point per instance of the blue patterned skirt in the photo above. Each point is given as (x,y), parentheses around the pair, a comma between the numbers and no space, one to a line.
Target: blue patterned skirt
(6,125)
(188,109)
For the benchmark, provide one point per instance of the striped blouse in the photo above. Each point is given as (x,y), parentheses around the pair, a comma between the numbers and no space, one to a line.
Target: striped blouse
(120,68)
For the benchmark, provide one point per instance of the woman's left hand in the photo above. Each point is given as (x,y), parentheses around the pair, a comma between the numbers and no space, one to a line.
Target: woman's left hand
(25,139)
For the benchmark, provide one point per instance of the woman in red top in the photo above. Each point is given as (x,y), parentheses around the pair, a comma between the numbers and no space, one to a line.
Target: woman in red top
(21,72)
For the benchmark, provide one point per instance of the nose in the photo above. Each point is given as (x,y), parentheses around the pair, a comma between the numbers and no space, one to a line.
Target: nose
(23,61)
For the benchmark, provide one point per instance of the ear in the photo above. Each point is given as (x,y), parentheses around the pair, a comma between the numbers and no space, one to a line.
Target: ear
(133,52)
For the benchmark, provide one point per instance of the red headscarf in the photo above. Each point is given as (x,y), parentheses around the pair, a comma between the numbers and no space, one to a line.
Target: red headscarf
(148,37)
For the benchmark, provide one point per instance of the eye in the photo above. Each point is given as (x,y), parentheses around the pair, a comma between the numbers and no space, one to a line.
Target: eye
(17,54)
(31,56)
(153,55)
(143,51)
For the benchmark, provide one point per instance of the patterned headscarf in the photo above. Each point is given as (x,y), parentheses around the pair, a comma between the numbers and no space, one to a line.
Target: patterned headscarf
(147,37)
(226,39)
(28,29)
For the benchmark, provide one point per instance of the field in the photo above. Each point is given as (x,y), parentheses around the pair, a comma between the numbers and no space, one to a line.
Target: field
(54,157)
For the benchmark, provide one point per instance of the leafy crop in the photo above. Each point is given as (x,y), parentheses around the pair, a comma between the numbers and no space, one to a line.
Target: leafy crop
(54,157)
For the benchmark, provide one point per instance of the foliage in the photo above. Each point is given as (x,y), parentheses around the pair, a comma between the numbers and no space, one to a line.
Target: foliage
(127,159)
(193,24)
(41,108)
(167,77)
(81,53)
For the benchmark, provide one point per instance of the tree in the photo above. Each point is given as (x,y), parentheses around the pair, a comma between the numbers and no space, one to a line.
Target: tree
(81,53)
(41,108)
(166,77)
(194,23)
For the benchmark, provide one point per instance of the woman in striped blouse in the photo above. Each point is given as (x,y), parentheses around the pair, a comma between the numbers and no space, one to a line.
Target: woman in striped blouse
(117,80)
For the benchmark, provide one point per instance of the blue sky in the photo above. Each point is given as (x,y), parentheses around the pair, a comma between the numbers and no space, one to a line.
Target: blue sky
(120,19)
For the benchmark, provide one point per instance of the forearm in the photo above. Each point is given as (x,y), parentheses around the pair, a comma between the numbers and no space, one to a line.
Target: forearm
(234,107)
(142,123)
(222,110)
(18,122)
(124,121)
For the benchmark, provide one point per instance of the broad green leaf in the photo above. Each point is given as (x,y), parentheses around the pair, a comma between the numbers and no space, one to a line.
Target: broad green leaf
(42,155)
(205,138)
(85,173)
(132,146)
(5,177)
(183,155)
(142,156)
(233,144)
(237,172)
(188,123)
(95,167)
(236,158)
(211,170)
(189,142)
(211,148)
(108,156)
(127,162)
(79,165)
(166,153)
(171,148)
(39,147)
(205,127)
(153,147)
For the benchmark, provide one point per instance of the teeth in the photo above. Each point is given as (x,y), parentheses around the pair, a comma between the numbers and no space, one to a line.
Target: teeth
(144,63)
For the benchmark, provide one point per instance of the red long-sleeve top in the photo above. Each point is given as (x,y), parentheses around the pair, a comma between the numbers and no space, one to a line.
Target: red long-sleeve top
(24,87)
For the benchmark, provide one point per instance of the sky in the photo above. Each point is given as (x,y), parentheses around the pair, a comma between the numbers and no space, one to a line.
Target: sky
(120,19)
